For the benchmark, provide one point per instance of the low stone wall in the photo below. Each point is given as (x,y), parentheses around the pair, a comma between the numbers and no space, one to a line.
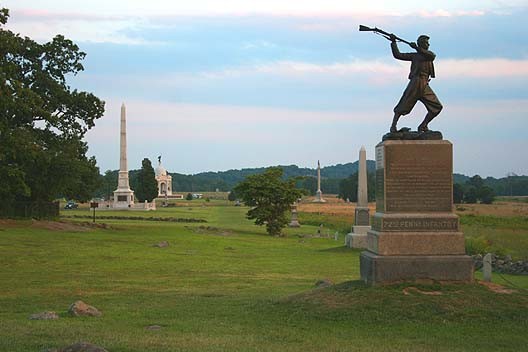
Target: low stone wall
(139,218)
(503,264)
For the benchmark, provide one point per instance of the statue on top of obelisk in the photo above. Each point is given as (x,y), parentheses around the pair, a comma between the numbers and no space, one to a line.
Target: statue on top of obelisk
(319,194)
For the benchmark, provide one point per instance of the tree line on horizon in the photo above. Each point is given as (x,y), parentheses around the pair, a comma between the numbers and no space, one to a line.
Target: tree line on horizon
(466,189)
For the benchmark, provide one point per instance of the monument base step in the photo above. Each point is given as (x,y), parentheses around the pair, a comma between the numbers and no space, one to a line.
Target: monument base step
(416,243)
(356,240)
(377,269)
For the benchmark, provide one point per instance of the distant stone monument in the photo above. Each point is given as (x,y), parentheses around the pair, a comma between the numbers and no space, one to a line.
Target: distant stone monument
(319,194)
(415,233)
(164,180)
(294,218)
(123,195)
(358,237)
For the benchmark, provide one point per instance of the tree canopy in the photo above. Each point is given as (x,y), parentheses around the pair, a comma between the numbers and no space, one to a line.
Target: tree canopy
(146,187)
(43,120)
(270,197)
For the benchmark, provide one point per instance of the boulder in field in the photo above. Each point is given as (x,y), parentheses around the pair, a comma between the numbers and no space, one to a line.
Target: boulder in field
(161,244)
(80,309)
(323,283)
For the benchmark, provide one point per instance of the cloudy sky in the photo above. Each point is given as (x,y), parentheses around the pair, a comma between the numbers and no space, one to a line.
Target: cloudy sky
(215,85)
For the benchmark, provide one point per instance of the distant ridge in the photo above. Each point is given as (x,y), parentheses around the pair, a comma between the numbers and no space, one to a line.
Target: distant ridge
(228,179)
(331,178)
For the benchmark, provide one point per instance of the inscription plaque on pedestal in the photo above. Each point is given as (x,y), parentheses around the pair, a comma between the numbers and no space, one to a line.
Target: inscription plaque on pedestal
(414,228)
(362,217)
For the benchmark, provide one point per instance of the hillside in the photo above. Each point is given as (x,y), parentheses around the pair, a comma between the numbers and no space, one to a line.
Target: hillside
(331,177)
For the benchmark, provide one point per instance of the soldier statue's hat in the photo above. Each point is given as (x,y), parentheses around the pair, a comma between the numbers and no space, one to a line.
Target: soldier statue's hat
(422,37)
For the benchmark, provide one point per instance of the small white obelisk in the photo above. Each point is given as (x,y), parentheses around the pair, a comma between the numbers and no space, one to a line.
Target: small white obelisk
(319,194)
(123,195)
(358,237)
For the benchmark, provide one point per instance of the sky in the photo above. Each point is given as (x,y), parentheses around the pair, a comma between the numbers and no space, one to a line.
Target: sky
(216,85)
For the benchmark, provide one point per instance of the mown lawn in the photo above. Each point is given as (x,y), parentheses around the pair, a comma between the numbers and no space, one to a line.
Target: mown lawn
(225,285)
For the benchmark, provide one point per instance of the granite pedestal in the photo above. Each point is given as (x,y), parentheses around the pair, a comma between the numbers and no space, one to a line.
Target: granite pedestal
(415,233)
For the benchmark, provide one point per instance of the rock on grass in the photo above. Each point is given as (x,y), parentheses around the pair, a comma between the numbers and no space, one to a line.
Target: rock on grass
(80,308)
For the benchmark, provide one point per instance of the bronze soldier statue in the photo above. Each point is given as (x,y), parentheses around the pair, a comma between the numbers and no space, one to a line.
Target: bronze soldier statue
(418,89)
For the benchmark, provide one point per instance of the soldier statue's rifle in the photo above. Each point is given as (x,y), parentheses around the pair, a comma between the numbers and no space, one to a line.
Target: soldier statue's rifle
(381,32)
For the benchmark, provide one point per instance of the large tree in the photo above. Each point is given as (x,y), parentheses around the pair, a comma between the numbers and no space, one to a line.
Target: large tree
(146,186)
(270,197)
(43,120)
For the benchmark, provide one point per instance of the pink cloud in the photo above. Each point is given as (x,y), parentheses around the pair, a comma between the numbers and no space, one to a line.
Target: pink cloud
(45,15)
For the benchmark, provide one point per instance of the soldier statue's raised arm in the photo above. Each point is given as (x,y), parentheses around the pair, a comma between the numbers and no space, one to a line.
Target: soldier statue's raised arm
(418,89)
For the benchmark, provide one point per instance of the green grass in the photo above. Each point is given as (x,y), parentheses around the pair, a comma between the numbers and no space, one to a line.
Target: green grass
(230,287)
(501,235)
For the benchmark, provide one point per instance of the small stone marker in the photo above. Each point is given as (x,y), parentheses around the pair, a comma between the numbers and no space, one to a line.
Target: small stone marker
(80,308)
(294,218)
(323,283)
(44,316)
(486,267)
(153,327)
(161,244)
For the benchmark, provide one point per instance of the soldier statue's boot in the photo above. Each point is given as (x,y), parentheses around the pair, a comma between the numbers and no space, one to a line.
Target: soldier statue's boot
(393,128)
(423,126)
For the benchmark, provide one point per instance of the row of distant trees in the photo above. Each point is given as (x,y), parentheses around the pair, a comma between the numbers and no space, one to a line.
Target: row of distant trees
(473,190)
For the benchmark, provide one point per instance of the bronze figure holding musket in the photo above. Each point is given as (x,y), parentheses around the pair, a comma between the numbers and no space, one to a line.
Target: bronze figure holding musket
(418,89)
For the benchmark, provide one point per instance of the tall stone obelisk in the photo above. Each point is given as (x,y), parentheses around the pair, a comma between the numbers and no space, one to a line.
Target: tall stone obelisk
(358,237)
(123,195)
(319,194)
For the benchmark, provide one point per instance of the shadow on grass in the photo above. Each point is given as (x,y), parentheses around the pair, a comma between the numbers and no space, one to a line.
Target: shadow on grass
(340,249)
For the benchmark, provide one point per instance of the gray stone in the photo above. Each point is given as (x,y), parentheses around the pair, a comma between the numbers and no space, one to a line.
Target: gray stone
(123,195)
(44,316)
(486,267)
(323,283)
(80,308)
(153,327)
(362,181)
(162,244)
(358,237)
(356,240)
(294,217)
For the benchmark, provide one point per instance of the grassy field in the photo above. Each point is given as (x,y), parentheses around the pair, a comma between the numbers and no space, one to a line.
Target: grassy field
(224,285)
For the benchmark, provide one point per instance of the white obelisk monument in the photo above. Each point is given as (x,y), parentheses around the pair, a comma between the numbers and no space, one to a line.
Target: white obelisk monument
(319,194)
(358,237)
(123,195)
